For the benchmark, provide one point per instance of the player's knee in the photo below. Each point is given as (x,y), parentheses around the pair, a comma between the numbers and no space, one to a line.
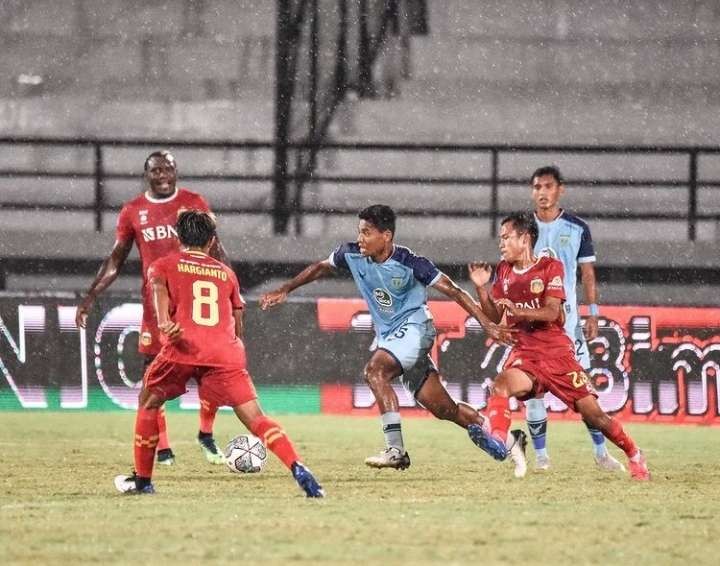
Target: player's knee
(373,374)
(149,400)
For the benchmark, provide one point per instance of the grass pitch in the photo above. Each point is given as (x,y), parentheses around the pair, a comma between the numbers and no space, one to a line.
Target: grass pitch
(453,506)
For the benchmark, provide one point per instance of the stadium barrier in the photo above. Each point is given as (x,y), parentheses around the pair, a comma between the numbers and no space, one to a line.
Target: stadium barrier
(658,364)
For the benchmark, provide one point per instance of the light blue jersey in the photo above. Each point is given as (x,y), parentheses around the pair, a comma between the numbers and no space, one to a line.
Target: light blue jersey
(568,239)
(395,290)
(396,294)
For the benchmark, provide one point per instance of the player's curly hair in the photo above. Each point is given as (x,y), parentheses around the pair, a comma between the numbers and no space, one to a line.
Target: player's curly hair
(524,223)
(195,228)
(379,215)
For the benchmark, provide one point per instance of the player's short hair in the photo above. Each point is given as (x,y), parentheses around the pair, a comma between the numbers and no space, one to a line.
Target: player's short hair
(553,170)
(165,154)
(195,228)
(379,215)
(523,223)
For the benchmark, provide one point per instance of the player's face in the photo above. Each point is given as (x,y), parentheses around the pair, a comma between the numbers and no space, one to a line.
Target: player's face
(546,192)
(513,246)
(372,241)
(161,177)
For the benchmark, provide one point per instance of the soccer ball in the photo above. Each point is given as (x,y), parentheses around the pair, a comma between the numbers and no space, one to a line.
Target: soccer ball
(245,454)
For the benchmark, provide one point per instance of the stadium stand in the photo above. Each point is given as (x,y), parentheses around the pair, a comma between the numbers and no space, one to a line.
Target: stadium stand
(582,73)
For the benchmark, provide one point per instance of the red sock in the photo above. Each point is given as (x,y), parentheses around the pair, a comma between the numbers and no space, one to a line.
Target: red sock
(207,417)
(275,439)
(146,439)
(617,435)
(164,442)
(498,411)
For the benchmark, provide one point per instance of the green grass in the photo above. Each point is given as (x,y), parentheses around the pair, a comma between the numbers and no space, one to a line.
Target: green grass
(453,506)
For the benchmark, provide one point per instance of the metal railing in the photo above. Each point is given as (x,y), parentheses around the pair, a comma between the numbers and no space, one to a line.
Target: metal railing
(285,205)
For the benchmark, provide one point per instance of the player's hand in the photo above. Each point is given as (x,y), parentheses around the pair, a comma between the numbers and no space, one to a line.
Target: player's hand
(501,334)
(479,273)
(82,311)
(508,306)
(171,329)
(272,298)
(591,328)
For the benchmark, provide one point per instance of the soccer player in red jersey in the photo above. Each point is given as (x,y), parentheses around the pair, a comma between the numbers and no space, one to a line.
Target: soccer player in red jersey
(149,221)
(199,311)
(530,291)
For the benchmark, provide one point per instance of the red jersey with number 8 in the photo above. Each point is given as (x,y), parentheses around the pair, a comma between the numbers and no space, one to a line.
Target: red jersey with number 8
(203,294)
(529,288)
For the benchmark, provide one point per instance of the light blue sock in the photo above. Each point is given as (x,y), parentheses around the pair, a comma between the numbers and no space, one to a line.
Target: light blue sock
(598,440)
(536,415)
(392,431)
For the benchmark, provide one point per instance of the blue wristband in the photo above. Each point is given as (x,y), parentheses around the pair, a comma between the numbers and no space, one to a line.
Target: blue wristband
(594,310)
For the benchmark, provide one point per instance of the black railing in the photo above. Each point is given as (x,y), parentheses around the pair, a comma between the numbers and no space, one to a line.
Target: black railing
(99,174)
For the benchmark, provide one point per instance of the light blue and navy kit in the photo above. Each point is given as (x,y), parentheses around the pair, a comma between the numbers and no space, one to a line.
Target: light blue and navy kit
(396,294)
(568,239)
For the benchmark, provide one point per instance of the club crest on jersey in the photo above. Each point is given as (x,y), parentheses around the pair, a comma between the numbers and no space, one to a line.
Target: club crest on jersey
(547,252)
(143,216)
(564,240)
(537,286)
(556,282)
(382,297)
(397,282)
(506,285)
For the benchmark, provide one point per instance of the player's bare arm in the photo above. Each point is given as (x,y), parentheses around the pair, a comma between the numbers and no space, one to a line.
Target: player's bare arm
(480,274)
(308,275)
(589,284)
(161,303)
(549,312)
(450,289)
(239,323)
(108,272)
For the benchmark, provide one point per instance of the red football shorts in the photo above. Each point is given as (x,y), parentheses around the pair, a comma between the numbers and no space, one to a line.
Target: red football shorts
(563,376)
(219,386)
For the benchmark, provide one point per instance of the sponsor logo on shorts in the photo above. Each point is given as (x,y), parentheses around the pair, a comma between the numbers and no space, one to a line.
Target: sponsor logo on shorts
(556,282)
(146,338)
(382,297)
(537,286)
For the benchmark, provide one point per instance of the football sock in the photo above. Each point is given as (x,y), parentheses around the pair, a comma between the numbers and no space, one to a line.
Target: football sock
(392,429)
(598,440)
(536,415)
(163,442)
(620,438)
(275,439)
(146,440)
(498,411)
(207,417)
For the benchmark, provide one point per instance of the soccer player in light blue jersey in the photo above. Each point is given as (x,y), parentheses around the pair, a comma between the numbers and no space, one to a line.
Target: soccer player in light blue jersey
(393,281)
(567,238)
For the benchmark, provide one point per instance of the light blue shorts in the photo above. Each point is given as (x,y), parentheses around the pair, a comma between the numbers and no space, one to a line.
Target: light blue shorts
(410,345)
(574,330)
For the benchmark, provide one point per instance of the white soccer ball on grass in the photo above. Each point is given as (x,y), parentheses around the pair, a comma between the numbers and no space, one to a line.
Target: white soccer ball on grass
(245,454)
